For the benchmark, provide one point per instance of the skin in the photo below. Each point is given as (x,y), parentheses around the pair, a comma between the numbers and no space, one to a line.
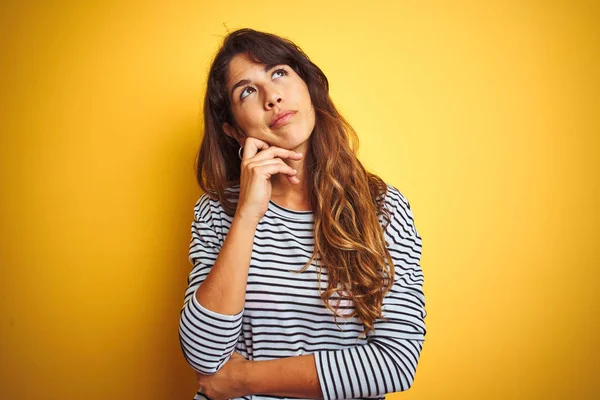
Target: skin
(253,107)
(289,377)
(272,168)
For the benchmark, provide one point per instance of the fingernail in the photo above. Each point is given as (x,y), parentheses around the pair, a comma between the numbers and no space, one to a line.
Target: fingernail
(295,171)
(299,153)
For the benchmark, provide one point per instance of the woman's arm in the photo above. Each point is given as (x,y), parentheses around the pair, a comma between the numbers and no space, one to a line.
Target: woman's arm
(290,376)
(211,318)
(224,289)
(387,363)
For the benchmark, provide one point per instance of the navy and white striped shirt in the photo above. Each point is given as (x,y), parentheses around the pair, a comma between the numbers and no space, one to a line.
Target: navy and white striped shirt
(284,315)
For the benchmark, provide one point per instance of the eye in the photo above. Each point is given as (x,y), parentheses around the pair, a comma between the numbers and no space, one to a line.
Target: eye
(280,70)
(244,90)
(247,90)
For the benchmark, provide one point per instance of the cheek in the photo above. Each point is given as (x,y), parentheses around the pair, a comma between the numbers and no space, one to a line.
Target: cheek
(305,92)
(307,103)
(302,97)
(248,115)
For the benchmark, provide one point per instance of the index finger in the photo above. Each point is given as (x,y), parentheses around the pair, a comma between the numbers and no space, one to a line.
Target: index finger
(252,145)
(275,151)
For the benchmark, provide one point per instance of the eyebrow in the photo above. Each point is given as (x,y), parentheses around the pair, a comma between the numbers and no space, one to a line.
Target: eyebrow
(247,81)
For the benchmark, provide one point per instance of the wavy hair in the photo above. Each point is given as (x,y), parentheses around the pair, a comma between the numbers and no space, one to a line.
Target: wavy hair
(346,200)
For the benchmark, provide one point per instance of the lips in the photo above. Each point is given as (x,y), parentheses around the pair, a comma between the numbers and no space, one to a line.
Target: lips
(281,118)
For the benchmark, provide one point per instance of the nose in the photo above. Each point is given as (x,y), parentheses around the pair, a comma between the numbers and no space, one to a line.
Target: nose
(272,97)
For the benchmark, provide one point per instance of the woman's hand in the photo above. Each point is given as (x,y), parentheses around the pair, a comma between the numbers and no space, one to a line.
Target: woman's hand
(228,382)
(256,171)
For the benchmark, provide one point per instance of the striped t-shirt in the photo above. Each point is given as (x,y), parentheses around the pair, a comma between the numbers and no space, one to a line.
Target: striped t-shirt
(284,315)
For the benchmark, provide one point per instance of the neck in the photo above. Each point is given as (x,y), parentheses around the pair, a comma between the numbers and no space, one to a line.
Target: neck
(292,195)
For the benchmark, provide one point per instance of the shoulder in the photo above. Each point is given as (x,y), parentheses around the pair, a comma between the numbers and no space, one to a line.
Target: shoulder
(396,198)
(203,209)
(399,207)
(207,204)
(209,210)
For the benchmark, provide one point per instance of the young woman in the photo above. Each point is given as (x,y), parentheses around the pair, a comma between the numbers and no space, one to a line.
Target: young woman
(306,278)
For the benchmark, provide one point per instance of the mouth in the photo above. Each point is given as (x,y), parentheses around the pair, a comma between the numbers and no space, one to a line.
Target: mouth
(282,119)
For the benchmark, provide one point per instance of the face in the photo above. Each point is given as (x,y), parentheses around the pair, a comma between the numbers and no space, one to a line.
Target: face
(258,94)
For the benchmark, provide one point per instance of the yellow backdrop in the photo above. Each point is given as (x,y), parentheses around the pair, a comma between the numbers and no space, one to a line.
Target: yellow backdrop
(485,115)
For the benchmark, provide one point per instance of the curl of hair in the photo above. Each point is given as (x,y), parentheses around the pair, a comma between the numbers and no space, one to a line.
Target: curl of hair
(346,200)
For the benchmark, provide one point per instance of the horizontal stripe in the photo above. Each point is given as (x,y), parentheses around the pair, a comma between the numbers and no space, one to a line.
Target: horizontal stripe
(284,314)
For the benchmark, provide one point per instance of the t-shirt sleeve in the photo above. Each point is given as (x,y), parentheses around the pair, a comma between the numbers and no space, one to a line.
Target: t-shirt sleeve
(387,363)
(207,338)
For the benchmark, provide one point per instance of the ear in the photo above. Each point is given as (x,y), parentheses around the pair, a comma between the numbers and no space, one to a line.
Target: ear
(233,133)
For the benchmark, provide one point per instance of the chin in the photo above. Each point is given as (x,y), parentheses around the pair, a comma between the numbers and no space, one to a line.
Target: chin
(294,142)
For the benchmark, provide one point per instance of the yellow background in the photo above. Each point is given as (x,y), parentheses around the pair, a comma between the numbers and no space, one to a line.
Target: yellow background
(485,115)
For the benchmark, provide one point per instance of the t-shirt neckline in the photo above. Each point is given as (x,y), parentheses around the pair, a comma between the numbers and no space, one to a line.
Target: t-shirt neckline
(291,214)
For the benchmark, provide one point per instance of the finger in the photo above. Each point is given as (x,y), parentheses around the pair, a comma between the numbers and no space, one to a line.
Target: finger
(252,146)
(276,168)
(253,165)
(274,151)
(275,161)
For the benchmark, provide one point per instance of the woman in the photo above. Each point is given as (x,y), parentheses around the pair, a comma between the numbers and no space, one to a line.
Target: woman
(293,239)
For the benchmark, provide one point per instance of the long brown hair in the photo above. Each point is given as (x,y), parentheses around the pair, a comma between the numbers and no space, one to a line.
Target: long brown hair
(346,199)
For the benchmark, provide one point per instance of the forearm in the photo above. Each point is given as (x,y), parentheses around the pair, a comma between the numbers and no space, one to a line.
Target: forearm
(291,376)
(224,289)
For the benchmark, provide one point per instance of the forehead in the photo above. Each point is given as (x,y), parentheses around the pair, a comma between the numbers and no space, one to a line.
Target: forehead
(241,67)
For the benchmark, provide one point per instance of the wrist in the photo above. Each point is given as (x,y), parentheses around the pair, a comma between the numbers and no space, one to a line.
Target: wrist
(244,219)
(245,378)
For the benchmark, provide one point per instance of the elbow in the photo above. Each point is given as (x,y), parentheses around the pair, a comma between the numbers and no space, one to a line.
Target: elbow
(405,376)
(205,347)
(201,368)
(410,378)
(404,355)
(204,364)
(403,379)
